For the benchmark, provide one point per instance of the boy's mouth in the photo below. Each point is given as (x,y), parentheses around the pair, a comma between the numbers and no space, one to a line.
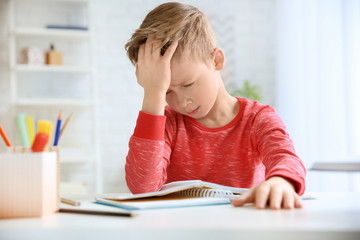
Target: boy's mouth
(193,111)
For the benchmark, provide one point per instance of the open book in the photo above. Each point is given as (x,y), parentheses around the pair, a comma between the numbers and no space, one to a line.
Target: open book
(175,194)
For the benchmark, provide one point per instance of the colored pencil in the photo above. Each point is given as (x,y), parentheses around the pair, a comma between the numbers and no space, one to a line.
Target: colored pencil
(69,201)
(4,136)
(58,126)
(65,125)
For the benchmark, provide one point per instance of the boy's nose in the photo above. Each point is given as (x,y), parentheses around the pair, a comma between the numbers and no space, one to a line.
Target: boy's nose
(184,101)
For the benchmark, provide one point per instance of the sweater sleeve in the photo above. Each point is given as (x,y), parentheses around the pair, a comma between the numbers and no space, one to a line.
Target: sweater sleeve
(277,149)
(148,156)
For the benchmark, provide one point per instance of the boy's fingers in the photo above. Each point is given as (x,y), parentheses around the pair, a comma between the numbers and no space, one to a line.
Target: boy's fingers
(156,50)
(170,50)
(247,197)
(276,196)
(288,200)
(261,196)
(148,45)
(298,202)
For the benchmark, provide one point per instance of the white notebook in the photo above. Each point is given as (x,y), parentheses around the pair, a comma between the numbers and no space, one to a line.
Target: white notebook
(175,194)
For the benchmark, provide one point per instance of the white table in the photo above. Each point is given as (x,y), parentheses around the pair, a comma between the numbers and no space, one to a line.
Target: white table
(330,216)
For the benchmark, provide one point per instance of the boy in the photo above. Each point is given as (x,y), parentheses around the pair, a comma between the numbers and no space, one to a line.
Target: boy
(203,132)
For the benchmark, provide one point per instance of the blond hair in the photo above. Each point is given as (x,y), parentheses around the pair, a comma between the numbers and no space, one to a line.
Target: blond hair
(171,22)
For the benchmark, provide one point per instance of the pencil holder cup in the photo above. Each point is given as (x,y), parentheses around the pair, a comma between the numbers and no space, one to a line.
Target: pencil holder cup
(28,184)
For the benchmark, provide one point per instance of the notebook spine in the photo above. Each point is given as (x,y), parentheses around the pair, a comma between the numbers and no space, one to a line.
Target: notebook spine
(207,193)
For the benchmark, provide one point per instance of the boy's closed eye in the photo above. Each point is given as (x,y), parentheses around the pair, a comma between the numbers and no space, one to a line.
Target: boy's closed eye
(185,86)
(188,85)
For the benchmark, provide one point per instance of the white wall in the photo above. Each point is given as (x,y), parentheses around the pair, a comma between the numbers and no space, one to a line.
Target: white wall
(317,80)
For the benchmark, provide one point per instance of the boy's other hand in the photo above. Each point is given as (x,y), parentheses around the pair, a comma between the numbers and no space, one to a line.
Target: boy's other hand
(154,75)
(276,192)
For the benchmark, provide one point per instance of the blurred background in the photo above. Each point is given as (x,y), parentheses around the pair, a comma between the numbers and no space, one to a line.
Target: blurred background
(300,56)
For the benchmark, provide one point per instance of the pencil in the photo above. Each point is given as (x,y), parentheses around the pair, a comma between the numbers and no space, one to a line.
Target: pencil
(69,201)
(65,125)
(3,135)
(58,126)
(97,212)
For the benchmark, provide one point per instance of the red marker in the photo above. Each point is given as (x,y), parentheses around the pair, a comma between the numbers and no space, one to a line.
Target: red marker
(40,142)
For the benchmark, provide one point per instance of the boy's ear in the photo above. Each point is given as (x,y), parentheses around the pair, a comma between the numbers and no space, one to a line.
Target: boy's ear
(219,59)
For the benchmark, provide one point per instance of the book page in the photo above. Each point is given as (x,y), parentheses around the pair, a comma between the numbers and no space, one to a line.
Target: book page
(172,188)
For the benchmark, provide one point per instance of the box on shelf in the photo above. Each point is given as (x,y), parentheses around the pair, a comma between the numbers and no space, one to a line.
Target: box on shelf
(54,57)
(33,56)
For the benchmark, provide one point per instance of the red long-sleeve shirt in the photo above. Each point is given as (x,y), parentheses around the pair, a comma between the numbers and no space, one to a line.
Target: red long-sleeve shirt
(253,147)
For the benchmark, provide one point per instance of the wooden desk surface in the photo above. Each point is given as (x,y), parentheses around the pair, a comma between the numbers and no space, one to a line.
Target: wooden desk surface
(330,216)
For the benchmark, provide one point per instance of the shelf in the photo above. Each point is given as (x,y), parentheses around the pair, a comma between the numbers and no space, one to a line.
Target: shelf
(49,68)
(34,97)
(47,1)
(45,32)
(54,102)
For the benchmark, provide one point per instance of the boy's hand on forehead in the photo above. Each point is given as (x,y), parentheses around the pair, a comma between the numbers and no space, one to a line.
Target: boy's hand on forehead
(153,74)
(153,69)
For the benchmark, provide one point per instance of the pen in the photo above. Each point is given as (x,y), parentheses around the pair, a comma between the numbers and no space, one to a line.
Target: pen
(3,135)
(57,133)
(69,201)
(97,212)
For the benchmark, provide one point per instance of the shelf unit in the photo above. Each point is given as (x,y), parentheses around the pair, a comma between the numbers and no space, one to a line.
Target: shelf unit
(26,97)
(51,33)
(49,68)
(53,102)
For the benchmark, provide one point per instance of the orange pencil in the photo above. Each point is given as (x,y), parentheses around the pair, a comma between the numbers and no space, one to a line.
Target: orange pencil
(3,135)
